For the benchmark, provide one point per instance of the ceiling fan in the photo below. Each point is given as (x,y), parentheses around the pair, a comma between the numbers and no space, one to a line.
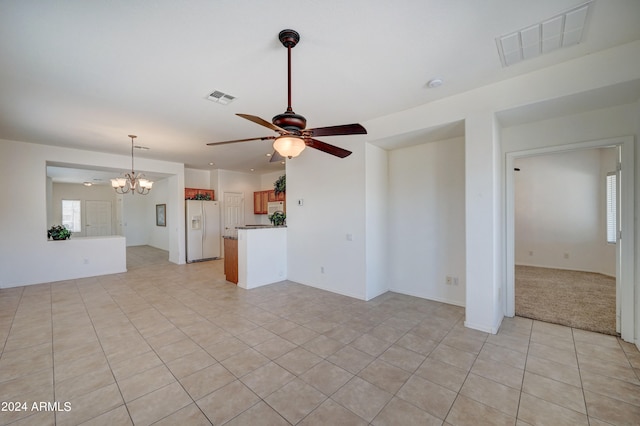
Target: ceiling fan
(293,136)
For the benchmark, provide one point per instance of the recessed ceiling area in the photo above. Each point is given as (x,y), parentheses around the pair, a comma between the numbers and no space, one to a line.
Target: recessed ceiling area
(619,94)
(426,135)
(78,174)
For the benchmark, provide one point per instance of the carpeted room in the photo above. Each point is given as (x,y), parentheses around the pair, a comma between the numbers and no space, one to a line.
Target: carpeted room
(565,262)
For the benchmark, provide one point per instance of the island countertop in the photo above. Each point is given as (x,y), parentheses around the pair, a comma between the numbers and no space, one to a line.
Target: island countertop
(260,226)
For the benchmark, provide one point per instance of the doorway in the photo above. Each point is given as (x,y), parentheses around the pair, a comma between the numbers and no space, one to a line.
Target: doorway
(565,266)
(233,212)
(624,247)
(98,218)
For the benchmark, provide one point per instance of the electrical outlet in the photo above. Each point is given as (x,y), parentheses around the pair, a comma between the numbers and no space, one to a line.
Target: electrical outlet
(566,255)
(449,280)
(455,280)
(322,269)
(530,253)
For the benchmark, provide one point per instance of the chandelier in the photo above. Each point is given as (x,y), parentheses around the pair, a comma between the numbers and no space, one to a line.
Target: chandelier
(131,182)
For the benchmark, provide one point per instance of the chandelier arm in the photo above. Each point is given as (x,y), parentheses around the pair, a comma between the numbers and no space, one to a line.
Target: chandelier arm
(131,182)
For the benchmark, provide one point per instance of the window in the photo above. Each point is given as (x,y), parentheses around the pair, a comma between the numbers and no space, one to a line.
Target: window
(612,230)
(71,215)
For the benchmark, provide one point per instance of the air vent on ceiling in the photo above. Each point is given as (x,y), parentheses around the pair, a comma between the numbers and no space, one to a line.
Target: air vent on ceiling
(554,33)
(221,97)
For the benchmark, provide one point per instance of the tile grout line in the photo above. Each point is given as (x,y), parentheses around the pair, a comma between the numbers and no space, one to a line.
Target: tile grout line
(524,370)
(154,350)
(84,303)
(13,318)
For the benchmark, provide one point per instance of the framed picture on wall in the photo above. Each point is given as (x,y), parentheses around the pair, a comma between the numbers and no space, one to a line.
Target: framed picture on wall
(161,215)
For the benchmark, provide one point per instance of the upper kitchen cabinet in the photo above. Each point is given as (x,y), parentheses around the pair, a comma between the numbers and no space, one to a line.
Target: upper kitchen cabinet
(199,194)
(273,197)
(261,199)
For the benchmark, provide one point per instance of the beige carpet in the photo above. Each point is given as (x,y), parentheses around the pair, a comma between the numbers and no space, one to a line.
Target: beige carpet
(576,299)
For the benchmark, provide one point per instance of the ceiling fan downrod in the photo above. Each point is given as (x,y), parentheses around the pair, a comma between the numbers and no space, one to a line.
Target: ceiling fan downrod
(289,120)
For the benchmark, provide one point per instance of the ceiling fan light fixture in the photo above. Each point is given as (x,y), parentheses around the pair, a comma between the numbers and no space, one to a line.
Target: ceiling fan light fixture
(289,146)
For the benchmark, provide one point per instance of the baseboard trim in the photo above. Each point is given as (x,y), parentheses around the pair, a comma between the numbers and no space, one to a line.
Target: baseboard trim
(435,299)
(565,269)
(493,329)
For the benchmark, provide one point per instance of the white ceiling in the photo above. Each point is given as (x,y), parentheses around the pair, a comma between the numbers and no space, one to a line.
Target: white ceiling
(85,74)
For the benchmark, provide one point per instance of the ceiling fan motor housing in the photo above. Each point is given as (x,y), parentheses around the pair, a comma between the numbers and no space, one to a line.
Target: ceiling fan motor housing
(292,126)
(290,121)
(289,38)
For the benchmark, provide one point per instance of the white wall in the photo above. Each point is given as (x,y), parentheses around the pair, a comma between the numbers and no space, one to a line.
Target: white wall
(560,211)
(159,235)
(196,178)
(427,220)
(268,179)
(25,243)
(377,225)
(333,194)
(137,218)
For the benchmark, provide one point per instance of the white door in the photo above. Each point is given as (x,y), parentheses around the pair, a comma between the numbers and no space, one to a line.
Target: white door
(233,213)
(98,218)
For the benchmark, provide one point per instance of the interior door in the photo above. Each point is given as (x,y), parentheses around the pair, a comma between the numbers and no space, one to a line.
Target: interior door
(233,213)
(98,218)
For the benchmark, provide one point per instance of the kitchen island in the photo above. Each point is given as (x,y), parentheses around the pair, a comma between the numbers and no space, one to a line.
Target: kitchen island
(231,259)
(262,255)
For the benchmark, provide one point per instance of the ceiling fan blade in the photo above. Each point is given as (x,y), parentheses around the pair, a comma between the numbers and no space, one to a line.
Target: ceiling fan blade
(325,147)
(264,123)
(276,157)
(345,129)
(242,140)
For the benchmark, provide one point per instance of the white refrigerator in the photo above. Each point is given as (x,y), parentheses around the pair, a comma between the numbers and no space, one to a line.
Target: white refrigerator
(203,230)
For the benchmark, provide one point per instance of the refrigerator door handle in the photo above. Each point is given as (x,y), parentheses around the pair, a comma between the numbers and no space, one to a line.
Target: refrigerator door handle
(204,223)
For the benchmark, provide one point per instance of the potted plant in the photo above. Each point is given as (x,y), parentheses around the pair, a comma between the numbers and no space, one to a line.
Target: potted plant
(280,185)
(278,218)
(205,197)
(58,232)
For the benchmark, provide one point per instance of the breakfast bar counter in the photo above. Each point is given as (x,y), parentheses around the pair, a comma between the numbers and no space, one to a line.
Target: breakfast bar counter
(262,255)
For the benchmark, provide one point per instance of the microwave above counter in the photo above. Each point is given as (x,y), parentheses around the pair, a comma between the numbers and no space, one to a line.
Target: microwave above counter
(275,206)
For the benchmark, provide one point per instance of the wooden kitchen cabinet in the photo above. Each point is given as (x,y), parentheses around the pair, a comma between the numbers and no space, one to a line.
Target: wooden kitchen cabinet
(190,193)
(273,197)
(260,200)
(231,260)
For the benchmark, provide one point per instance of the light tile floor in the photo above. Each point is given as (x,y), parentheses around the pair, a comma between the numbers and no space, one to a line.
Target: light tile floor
(168,344)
